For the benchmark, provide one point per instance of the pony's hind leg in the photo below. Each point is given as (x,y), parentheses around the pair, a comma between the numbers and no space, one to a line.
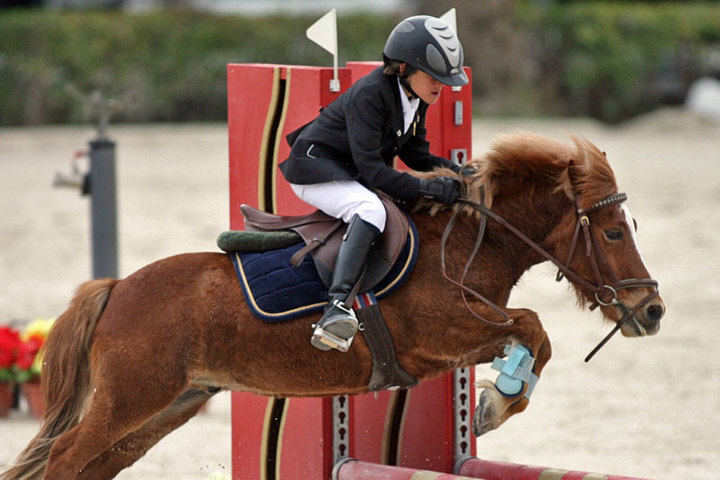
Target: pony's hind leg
(116,408)
(494,405)
(134,445)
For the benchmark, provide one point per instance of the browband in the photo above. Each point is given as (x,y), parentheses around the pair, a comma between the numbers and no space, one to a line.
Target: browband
(607,201)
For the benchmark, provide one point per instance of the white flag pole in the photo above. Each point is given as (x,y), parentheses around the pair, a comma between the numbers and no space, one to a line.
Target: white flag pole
(324,33)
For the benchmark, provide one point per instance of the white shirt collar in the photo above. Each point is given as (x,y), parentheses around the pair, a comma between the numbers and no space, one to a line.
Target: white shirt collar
(409,107)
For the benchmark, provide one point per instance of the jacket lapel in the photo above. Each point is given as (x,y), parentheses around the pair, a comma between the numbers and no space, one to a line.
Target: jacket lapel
(397,116)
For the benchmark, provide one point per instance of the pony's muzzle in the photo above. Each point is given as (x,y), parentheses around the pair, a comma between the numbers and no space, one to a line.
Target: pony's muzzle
(645,322)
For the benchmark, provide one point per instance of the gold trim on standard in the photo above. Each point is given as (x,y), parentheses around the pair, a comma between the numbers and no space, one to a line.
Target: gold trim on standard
(279,137)
(281,436)
(387,430)
(264,439)
(401,430)
(266,138)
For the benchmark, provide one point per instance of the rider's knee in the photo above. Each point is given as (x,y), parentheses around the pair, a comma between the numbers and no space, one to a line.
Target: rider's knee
(373,212)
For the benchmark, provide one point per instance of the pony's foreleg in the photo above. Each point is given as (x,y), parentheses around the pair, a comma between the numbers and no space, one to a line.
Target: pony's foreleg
(133,446)
(495,405)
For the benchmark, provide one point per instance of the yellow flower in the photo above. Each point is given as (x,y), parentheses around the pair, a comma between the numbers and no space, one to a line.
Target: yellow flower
(39,327)
(36,367)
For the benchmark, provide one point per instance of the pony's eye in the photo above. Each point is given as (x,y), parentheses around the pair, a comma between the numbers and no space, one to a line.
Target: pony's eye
(614,234)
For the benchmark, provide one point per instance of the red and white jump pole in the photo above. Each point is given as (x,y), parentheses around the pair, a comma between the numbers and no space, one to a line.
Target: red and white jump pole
(351,469)
(472,468)
(492,470)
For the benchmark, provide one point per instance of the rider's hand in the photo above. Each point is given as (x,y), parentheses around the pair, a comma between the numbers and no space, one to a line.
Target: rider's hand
(441,189)
(468,171)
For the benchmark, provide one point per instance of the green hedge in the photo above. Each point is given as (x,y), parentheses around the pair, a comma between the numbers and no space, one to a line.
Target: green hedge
(614,60)
(169,65)
(610,60)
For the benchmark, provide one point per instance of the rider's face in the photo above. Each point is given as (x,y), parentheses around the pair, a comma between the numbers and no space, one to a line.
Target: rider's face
(425,86)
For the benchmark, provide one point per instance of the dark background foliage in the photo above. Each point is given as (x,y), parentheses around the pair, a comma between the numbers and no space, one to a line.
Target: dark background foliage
(609,60)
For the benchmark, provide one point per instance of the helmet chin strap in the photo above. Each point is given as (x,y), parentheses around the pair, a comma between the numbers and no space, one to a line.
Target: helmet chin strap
(403,76)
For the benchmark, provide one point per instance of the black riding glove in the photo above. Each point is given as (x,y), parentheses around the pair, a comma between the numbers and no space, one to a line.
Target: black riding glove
(468,171)
(441,189)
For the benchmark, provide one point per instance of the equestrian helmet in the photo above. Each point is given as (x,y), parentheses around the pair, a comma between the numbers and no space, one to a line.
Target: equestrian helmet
(428,44)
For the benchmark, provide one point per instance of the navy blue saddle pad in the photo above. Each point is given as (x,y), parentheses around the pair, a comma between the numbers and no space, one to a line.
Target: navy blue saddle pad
(276,291)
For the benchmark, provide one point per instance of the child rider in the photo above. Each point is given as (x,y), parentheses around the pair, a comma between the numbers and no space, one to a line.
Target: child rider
(338,159)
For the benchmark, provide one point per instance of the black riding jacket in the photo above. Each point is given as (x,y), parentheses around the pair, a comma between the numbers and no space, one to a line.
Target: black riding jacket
(357,136)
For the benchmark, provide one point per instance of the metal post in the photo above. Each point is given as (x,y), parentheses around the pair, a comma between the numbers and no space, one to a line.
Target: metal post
(98,182)
(103,210)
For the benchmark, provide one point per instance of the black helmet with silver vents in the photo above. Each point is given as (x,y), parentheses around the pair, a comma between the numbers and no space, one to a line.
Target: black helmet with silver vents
(428,44)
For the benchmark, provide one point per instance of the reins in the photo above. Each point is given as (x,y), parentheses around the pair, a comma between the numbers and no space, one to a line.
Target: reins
(599,288)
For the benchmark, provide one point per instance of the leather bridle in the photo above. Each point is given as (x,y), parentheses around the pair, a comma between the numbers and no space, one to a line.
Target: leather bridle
(598,287)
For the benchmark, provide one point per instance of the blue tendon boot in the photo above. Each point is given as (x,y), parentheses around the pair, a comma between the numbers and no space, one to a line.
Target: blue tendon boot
(515,372)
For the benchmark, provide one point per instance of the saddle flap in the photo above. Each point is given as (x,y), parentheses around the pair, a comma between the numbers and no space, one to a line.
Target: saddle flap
(387,251)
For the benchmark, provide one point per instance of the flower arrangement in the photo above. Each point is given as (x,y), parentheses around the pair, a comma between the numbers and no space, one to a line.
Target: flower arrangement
(9,346)
(28,363)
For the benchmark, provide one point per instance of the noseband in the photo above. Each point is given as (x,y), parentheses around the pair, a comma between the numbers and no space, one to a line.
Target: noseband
(600,289)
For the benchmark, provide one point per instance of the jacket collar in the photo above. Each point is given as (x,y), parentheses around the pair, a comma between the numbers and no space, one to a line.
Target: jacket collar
(397,115)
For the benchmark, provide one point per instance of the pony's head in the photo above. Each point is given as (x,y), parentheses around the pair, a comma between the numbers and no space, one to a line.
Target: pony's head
(595,237)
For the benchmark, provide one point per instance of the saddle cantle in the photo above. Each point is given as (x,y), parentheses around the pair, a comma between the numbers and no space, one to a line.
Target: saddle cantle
(323,234)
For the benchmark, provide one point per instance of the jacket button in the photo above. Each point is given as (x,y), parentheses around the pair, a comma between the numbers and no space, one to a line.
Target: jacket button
(399,133)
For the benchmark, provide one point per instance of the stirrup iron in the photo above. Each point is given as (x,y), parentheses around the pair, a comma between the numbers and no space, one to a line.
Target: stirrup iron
(329,340)
(325,340)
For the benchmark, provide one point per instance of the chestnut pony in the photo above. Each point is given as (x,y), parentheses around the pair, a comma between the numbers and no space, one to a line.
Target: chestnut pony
(131,360)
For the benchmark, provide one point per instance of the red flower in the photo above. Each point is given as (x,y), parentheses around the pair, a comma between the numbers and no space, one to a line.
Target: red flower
(27,351)
(9,344)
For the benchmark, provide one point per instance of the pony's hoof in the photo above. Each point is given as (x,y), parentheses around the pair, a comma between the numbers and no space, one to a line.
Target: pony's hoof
(484,418)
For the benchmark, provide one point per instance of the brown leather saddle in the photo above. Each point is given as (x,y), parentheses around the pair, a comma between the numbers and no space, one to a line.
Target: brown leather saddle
(323,235)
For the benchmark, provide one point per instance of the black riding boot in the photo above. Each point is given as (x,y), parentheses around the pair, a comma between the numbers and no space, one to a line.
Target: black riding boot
(338,326)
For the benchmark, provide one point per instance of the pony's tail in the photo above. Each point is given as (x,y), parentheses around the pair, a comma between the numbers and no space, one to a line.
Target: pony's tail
(65,377)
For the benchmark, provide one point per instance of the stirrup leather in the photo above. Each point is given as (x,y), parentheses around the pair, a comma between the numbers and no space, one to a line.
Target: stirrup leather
(329,339)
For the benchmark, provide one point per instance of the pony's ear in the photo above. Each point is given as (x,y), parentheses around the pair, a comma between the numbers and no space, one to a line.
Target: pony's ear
(589,171)
(569,178)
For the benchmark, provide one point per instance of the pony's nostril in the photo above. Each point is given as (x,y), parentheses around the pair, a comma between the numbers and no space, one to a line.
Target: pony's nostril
(655,312)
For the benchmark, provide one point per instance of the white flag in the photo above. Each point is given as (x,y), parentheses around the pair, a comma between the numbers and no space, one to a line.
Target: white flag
(450,18)
(324,32)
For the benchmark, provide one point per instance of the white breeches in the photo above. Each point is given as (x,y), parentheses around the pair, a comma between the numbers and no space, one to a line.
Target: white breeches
(343,199)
